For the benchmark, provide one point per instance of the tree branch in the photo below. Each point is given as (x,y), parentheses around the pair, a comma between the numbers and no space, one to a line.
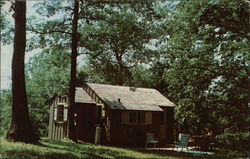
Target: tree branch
(48,32)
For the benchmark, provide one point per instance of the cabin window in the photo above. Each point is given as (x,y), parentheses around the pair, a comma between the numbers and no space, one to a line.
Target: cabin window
(141,118)
(60,112)
(148,118)
(136,117)
(132,117)
(125,117)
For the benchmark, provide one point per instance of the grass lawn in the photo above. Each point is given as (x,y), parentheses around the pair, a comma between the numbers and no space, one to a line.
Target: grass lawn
(67,149)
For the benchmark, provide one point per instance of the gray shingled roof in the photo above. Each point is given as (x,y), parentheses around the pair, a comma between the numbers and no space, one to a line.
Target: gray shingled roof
(82,97)
(140,99)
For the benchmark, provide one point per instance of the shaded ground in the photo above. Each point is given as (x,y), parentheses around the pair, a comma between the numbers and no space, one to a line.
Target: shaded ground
(60,149)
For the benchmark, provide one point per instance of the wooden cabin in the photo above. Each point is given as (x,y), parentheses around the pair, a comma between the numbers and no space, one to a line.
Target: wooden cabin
(125,114)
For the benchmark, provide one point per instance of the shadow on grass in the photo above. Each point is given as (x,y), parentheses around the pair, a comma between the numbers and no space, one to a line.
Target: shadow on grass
(38,150)
(90,150)
(74,148)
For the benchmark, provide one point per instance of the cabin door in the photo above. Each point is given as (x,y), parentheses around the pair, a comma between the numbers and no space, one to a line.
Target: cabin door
(85,122)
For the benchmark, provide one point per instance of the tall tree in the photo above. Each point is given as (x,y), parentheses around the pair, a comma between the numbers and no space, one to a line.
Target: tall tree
(74,45)
(21,128)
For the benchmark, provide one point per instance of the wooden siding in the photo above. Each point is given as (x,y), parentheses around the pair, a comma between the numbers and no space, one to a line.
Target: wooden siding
(57,130)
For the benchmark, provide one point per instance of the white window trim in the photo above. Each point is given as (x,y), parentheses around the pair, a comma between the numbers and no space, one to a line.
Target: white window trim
(65,113)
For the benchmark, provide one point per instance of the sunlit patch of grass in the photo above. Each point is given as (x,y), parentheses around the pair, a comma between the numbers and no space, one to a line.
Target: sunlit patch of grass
(67,149)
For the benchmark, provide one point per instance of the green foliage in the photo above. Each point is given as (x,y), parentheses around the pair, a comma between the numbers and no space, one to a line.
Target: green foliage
(5,111)
(7,29)
(87,74)
(47,75)
(2,16)
(207,69)
(114,33)
(142,77)
(119,40)
(190,117)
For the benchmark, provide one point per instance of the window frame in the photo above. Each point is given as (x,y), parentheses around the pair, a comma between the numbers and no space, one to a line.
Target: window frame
(141,118)
(132,117)
(138,118)
(60,113)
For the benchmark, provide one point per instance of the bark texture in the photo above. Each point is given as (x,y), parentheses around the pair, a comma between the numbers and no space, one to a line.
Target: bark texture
(21,128)
(74,45)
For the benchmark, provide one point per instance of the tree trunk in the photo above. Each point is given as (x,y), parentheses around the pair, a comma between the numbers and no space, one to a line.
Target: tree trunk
(74,45)
(21,128)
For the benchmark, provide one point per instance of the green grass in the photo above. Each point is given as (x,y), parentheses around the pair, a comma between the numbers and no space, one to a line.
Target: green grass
(67,149)
(60,149)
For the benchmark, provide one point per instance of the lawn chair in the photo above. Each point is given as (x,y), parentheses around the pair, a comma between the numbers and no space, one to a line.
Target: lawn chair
(183,141)
(151,140)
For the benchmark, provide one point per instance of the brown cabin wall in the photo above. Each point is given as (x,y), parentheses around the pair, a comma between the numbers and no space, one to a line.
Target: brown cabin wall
(132,135)
(135,135)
